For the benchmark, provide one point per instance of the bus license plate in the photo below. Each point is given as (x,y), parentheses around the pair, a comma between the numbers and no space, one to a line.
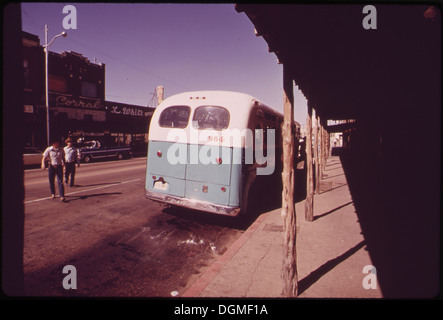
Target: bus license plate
(161,185)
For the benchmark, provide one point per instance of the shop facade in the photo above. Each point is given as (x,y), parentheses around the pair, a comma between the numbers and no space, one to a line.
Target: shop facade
(77,104)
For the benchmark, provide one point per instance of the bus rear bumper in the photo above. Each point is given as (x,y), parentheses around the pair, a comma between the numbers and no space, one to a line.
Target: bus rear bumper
(192,204)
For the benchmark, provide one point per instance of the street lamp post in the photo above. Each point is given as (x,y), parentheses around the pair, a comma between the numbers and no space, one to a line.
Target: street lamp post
(46,49)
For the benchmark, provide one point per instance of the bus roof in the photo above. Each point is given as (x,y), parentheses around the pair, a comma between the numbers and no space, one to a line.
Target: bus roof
(227,99)
(241,107)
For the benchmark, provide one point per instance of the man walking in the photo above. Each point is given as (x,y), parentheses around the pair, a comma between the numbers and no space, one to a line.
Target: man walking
(56,156)
(72,156)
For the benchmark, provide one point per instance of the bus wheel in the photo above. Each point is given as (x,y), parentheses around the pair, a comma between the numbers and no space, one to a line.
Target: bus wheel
(253,202)
(249,213)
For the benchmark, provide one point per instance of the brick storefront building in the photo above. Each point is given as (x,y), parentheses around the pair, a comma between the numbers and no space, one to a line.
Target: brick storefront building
(77,105)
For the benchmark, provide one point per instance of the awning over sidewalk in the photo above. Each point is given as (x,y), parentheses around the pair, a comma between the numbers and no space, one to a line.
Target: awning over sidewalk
(343,69)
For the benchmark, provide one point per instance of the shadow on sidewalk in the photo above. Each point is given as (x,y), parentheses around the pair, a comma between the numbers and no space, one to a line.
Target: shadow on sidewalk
(331,211)
(399,218)
(330,189)
(315,275)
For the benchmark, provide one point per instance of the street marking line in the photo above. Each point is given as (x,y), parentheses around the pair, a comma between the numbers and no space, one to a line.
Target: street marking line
(71,193)
(102,163)
(88,174)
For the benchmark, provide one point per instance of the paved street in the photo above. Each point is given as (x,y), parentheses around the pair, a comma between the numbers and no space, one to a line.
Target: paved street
(120,243)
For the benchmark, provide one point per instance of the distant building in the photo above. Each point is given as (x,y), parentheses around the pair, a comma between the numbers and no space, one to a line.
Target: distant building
(77,102)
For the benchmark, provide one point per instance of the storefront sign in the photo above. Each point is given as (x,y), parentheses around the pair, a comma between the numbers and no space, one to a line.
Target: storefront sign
(130,111)
(29,108)
(64,101)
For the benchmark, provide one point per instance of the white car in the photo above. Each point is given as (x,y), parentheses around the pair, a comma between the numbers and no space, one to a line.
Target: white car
(32,156)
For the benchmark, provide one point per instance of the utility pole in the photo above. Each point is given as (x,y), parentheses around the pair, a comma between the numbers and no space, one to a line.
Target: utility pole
(289,269)
(45,48)
(46,51)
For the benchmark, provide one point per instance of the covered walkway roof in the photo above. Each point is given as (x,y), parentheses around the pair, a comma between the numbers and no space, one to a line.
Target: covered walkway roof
(343,69)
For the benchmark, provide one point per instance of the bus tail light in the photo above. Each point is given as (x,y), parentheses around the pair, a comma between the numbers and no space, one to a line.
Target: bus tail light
(218,160)
(159,154)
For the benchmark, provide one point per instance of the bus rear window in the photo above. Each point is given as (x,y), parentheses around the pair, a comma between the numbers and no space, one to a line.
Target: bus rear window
(211,117)
(175,117)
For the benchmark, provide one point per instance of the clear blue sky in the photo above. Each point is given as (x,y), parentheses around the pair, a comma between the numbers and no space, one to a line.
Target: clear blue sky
(183,47)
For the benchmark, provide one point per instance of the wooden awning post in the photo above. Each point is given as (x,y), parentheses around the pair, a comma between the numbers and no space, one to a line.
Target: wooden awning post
(325,143)
(316,157)
(289,269)
(309,202)
(320,153)
(322,150)
(328,143)
(325,147)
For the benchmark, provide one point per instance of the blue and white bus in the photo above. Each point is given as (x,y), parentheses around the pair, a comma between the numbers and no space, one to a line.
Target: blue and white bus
(208,148)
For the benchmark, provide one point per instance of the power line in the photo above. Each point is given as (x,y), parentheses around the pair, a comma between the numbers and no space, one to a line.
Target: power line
(153,102)
(129,64)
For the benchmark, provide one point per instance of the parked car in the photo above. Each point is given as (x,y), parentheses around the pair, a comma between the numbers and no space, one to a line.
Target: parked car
(32,156)
(97,150)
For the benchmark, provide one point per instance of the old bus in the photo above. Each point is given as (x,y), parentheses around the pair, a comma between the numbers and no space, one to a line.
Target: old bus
(207,149)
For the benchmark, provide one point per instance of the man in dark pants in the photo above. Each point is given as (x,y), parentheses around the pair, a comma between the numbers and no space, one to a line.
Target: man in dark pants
(72,156)
(56,157)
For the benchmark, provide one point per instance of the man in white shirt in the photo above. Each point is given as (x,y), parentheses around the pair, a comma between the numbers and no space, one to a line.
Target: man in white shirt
(72,156)
(56,157)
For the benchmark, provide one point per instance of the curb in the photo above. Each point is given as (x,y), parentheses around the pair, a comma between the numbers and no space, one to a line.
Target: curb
(197,287)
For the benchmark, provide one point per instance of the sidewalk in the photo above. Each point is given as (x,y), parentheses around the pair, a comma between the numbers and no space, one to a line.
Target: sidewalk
(331,251)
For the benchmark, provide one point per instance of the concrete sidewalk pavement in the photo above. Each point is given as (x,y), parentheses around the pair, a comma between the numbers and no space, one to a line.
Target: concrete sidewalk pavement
(331,252)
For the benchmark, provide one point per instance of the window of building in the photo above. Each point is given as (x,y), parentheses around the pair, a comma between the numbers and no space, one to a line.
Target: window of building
(88,89)
(57,84)
(26,71)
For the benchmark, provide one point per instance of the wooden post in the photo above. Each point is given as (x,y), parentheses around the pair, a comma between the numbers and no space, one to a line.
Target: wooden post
(325,146)
(328,144)
(316,157)
(322,150)
(289,269)
(309,202)
(320,153)
(327,138)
